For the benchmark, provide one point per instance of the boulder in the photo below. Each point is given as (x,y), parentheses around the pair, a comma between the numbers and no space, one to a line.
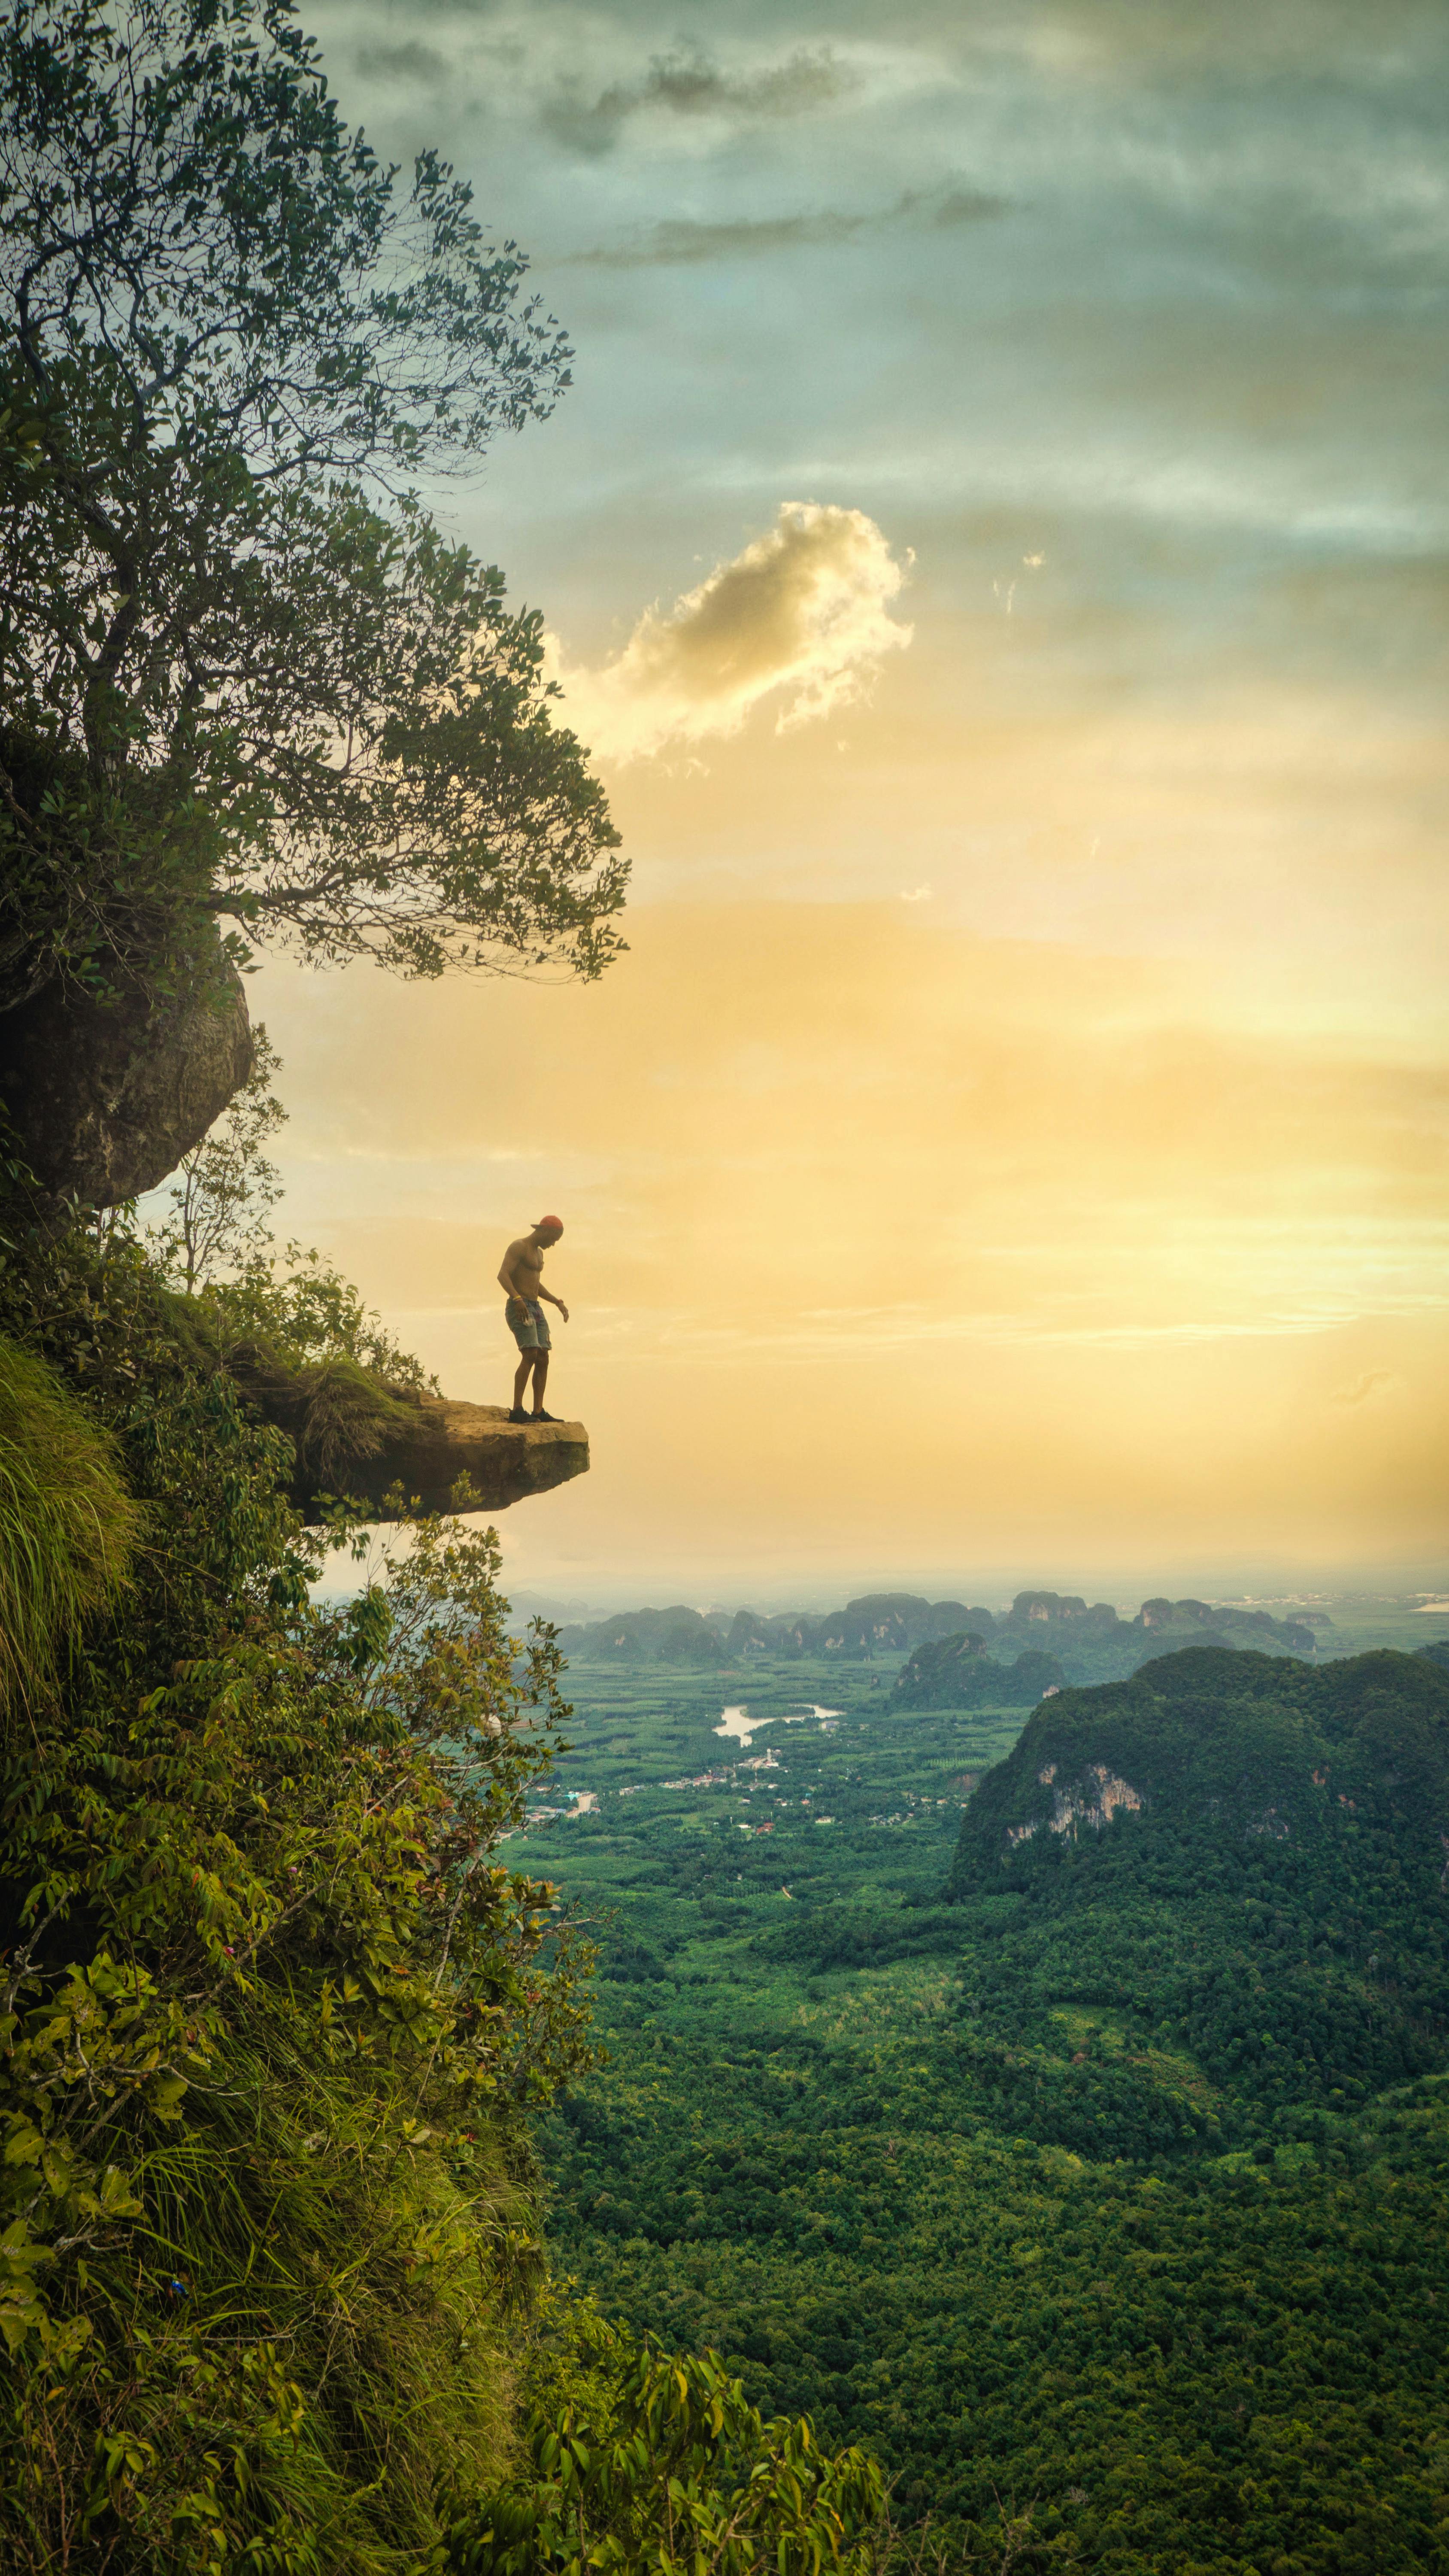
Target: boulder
(106,1098)
(441,1439)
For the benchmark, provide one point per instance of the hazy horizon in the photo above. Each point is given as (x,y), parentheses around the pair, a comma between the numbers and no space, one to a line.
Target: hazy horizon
(563,1597)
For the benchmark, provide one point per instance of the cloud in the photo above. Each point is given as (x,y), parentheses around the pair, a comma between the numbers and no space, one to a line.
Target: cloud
(1244,37)
(689,83)
(681,240)
(802,615)
(403,62)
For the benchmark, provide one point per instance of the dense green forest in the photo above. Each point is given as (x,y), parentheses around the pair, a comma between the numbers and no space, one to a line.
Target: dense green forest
(957,1672)
(1095,2178)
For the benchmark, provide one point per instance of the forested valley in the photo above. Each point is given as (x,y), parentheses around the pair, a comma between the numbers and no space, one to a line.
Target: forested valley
(1084,2152)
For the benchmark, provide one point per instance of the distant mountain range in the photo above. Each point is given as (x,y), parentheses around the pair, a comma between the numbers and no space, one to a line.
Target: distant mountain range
(1062,1638)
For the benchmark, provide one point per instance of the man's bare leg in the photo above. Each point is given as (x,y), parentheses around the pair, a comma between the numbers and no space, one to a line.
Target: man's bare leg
(521,1377)
(540,1379)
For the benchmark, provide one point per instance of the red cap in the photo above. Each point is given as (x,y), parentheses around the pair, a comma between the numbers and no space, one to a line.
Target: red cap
(555,1221)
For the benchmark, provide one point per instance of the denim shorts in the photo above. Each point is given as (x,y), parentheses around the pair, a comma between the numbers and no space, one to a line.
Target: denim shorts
(525,1320)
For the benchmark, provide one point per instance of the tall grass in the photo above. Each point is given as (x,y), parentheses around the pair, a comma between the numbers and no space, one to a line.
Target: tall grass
(307,2335)
(67,1523)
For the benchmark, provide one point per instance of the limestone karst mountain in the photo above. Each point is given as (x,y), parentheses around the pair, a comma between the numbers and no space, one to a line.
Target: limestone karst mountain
(957,1672)
(1094,1643)
(1046,1639)
(1239,1857)
(876,1624)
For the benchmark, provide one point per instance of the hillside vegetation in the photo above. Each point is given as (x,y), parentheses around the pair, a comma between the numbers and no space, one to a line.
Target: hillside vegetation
(1243,1855)
(957,1672)
(272,2014)
(277,2018)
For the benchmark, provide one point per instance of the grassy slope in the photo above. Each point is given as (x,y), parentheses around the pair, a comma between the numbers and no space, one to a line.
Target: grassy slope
(68,1526)
(1027,2241)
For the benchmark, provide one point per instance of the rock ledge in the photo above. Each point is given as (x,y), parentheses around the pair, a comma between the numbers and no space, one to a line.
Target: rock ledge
(446,1439)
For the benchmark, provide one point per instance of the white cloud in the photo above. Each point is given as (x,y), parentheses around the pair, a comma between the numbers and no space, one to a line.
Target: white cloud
(802,617)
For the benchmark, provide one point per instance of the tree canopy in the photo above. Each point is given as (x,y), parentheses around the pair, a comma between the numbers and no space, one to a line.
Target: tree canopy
(246,673)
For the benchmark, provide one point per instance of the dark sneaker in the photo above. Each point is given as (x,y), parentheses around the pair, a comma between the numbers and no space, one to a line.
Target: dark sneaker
(518,1415)
(543,1417)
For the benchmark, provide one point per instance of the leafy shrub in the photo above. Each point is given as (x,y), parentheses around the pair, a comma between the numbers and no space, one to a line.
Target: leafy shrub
(636,2458)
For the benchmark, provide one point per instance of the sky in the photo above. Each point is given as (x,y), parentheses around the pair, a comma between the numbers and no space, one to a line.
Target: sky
(995,545)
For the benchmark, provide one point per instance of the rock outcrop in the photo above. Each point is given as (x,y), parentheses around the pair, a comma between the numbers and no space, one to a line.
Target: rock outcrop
(440,1440)
(105,1100)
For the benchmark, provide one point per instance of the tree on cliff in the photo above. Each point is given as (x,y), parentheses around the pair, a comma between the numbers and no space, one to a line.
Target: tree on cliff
(244,672)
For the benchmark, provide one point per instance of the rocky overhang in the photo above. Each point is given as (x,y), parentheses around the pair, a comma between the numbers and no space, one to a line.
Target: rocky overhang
(445,1439)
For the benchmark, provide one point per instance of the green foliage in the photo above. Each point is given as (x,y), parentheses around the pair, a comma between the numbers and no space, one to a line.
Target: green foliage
(301,1314)
(273,2012)
(633,2458)
(1205,2371)
(67,1524)
(302,1346)
(276,2023)
(244,674)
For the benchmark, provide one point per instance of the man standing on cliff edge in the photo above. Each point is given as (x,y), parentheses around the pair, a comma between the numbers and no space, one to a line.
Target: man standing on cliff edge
(521,1278)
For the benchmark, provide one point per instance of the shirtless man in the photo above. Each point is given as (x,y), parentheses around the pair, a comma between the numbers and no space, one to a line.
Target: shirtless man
(521,1279)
